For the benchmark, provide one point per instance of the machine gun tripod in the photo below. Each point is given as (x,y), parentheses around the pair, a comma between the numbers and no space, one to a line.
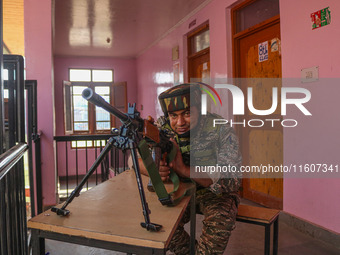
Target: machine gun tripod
(126,138)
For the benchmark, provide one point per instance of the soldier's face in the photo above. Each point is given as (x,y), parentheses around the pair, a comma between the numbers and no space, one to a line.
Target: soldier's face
(183,120)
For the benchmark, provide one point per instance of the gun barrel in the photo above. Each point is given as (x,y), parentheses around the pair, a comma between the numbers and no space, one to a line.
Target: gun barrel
(96,99)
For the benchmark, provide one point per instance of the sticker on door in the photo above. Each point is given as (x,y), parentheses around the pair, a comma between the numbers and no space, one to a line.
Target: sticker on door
(263,51)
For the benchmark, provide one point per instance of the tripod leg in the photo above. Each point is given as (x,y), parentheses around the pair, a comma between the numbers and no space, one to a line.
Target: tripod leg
(147,224)
(62,211)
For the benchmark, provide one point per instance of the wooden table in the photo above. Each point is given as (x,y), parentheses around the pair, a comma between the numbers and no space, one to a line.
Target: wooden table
(109,215)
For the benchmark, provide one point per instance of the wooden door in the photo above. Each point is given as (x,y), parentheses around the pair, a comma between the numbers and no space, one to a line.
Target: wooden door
(261,146)
(199,66)
(199,54)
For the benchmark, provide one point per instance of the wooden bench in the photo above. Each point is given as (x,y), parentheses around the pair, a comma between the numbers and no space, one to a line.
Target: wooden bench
(264,217)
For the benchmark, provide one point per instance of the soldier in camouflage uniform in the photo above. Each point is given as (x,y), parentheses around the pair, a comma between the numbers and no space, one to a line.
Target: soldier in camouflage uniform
(217,196)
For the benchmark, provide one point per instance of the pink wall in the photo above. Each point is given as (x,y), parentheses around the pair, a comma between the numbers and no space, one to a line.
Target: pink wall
(124,70)
(38,56)
(316,200)
(155,65)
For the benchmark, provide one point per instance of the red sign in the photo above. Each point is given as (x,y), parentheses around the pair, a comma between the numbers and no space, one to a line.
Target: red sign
(321,18)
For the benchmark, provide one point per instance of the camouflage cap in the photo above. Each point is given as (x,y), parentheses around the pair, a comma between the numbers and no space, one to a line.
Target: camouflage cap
(180,97)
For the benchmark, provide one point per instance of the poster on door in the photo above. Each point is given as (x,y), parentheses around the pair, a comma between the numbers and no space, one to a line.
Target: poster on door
(263,51)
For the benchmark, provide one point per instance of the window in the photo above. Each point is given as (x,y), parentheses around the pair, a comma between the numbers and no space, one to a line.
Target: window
(82,117)
(199,40)
(252,13)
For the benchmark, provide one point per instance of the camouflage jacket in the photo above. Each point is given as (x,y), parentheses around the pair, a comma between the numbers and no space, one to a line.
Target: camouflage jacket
(215,147)
(211,147)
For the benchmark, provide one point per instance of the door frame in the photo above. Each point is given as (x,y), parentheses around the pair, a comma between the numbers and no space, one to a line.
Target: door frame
(191,56)
(236,64)
(237,37)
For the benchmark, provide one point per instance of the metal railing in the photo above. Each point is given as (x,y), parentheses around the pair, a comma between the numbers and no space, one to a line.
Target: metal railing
(76,154)
(33,155)
(9,158)
(13,203)
(13,226)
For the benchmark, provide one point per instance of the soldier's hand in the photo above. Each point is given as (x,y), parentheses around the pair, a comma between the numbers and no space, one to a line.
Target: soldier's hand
(177,164)
(164,170)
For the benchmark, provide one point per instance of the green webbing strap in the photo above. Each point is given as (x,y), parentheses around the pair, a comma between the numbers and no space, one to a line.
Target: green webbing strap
(174,177)
(171,156)
(185,149)
(156,180)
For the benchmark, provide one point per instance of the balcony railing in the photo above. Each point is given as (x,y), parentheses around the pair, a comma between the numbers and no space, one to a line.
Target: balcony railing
(9,158)
(76,154)
(13,226)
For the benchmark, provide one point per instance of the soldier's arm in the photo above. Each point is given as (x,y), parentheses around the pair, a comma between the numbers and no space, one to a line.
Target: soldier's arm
(228,155)
(183,170)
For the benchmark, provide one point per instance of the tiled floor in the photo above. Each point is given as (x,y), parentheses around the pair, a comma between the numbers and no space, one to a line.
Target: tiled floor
(246,239)
(249,239)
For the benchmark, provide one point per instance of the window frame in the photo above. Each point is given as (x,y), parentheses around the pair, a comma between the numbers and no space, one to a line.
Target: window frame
(68,107)
(190,37)
(91,107)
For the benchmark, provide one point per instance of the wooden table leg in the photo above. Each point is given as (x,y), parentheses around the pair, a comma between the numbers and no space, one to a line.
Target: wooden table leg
(267,239)
(38,243)
(276,236)
(193,221)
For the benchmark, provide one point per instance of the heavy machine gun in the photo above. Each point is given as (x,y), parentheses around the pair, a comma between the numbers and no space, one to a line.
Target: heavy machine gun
(133,131)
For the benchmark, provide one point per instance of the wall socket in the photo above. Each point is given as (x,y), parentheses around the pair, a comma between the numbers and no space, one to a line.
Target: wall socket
(310,74)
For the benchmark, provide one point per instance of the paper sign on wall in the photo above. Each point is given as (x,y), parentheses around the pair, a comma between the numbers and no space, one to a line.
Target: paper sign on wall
(321,18)
(176,73)
(263,51)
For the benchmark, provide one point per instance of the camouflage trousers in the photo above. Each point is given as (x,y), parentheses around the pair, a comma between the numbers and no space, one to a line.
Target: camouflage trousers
(219,220)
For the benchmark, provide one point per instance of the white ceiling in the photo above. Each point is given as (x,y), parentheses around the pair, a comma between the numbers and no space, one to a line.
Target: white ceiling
(115,28)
